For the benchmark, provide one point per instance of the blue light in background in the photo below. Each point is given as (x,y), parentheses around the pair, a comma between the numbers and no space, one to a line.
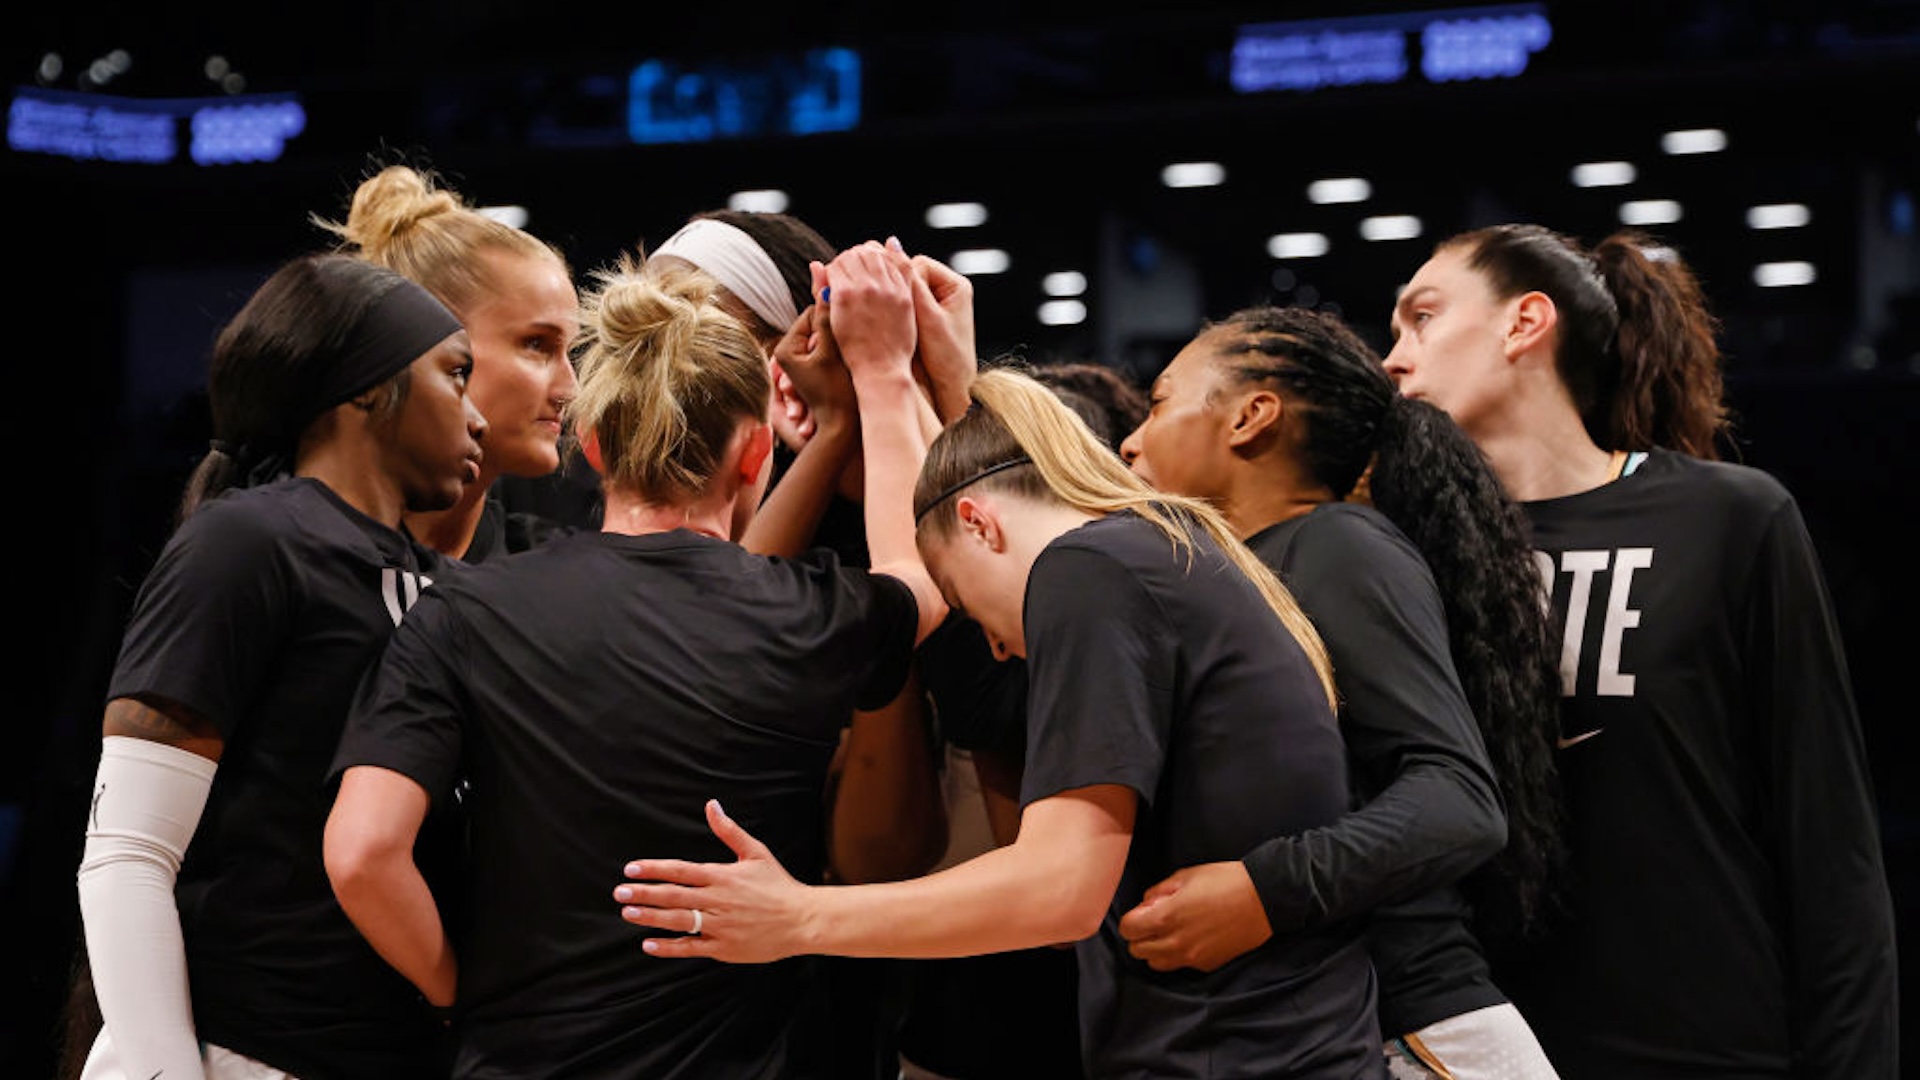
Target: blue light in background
(1495,44)
(1900,214)
(90,128)
(1459,43)
(815,92)
(98,127)
(1307,56)
(830,102)
(256,131)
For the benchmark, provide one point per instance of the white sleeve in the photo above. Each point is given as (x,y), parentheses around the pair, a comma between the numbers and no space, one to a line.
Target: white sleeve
(147,801)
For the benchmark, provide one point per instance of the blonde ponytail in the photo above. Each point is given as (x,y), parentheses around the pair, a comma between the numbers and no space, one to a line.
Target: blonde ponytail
(1017,421)
(666,375)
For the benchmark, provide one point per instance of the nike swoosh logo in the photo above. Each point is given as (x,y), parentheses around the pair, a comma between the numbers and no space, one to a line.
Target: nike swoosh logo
(1583,737)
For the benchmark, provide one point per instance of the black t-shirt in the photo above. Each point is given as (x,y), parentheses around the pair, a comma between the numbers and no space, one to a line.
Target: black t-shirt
(1432,808)
(1007,1015)
(260,615)
(979,702)
(596,691)
(569,497)
(1732,910)
(1165,671)
(503,530)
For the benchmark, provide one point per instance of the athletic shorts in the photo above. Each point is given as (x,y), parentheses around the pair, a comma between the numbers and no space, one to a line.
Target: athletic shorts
(1493,1043)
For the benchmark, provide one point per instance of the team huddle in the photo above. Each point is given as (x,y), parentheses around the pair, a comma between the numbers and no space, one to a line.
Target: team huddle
(1449,713)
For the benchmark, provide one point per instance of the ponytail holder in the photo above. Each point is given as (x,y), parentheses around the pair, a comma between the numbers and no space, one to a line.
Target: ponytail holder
(253,467)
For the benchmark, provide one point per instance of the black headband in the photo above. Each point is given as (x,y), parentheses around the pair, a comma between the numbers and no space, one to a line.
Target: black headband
(395,331)
(974,479)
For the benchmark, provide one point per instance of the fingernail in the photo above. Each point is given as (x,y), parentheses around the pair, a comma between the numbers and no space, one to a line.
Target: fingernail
(623,894)
(649,945)
(825,292)
(894,243)
(633,869)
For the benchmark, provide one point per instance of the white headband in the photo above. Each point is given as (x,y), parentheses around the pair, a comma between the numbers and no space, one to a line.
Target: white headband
(738,262)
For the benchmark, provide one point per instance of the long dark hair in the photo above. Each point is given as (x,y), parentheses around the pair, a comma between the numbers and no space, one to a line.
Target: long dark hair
(1638,346)
(1432,482)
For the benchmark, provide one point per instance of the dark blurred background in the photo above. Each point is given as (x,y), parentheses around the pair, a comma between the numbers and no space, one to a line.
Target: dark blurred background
(161,159)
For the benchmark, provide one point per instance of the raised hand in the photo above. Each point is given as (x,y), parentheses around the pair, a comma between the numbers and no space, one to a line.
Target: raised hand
(871,310)
(746,912)
(812,387)
(943,314)
(1199,917)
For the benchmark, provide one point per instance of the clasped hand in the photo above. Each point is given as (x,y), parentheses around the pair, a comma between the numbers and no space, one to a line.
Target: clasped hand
(1199,917)
(937,322)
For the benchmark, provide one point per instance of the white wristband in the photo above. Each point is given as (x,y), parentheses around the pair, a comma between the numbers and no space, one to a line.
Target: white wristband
(147,801)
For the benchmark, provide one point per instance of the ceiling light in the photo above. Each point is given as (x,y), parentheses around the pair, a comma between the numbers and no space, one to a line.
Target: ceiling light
(956,215)
(1604,174)
(1064,283)
(1063,312)
(1650,212)
(1390,227)
(1694,141)
(1778,216)
(1775,275)
(1297,245)
(514,216)
(1194,174)
(980,261)
(758,201)
(1348,189)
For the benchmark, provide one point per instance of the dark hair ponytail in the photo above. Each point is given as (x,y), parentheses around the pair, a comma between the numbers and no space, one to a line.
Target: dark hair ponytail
(1636,342)
(1667,388)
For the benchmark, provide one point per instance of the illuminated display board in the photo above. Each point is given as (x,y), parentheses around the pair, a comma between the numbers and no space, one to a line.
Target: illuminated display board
(1453,44)
(813,92)
(99,127)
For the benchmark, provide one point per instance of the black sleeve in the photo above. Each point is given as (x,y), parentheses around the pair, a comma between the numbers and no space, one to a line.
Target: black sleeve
(1101,663)
(209,617)
(406,714)
(1434,811)
(891,620)
(1840,932)
(979,702)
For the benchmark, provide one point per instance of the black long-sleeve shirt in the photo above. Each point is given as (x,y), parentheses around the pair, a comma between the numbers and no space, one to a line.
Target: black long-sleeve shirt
(1732,915)
(1432,810)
